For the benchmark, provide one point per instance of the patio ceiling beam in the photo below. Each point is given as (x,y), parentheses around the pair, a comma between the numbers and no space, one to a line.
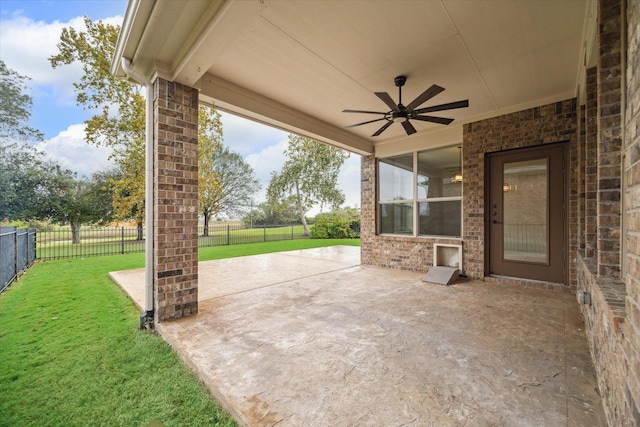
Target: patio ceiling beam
(243,102)
(218,27)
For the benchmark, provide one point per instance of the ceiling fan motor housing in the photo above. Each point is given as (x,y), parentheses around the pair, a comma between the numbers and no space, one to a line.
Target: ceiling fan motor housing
(400,81)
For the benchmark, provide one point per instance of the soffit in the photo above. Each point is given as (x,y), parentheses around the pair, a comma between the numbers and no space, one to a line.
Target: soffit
(313,59)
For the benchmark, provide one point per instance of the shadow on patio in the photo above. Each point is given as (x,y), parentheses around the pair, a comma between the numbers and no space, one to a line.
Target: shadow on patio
(309,338)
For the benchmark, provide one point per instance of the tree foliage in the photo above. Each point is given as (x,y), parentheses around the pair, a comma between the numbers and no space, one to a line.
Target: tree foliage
(119,121)
(119,105)
(209,182)
(310,174)
(339,224)
(273,212)
(15,106)
(29,183)
(238,182)
(226,182)
(82,202)
(127,185)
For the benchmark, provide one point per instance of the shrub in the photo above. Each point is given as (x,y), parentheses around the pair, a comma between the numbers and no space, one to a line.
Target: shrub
(333,226)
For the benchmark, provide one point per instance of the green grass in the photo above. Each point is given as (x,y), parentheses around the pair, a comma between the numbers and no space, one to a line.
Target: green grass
(71,353)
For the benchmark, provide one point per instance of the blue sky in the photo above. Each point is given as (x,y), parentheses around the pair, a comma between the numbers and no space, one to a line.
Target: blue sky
(29,32)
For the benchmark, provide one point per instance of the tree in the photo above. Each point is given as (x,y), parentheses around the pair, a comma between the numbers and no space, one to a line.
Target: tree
(15,106)
(82,202)
(209,182)
(238,182)
(120,106)
(29,184)
(226,182)
(127,185)
(120,120)
(310,174)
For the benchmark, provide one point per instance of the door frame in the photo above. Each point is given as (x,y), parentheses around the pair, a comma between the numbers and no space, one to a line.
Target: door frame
(565,201)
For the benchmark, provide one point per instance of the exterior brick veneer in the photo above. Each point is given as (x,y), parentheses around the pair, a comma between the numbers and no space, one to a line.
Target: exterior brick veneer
(613,317)
(591,163)
(610,76)
(175,195)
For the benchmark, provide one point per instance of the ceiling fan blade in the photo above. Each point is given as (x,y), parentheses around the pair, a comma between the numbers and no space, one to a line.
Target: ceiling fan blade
(362,111)
(440,120)
(425,96)
(442,107)
(386,98)
(408,127)
(383,128)
(364,123)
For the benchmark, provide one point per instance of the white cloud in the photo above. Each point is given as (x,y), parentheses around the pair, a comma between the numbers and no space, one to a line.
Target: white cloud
(26,46)
(246,136)
(264,162)
(71,151)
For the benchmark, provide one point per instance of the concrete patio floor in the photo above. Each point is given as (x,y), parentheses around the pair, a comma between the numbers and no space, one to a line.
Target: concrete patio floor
(309,338)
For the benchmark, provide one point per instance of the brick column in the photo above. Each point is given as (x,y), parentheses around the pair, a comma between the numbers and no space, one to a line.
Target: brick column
(367,209)
(610,76)
(591,165)
(580,177)
(175,195)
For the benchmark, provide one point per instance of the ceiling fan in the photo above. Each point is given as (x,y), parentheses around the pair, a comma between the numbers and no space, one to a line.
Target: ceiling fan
(401,113)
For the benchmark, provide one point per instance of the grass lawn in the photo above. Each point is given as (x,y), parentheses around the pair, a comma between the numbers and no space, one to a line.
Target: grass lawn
(109,241)
(71,353)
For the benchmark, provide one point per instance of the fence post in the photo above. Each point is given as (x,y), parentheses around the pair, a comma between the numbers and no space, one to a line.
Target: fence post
(265,231)
(291,231)
(228,235)
(122,233)
(15,251)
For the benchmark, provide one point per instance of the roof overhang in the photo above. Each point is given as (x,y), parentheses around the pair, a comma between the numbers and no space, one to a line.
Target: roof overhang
(296,65)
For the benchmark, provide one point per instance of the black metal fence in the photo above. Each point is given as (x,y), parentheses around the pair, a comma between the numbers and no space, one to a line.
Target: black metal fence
(17,253)
(90,241)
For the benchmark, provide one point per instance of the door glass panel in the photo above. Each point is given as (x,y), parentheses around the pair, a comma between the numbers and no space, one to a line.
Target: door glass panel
(526,199)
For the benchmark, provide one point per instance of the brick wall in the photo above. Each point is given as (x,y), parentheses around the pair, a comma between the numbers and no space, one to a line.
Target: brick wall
(175,195)
(632,211)
(591,163)
(610,77)
(613,317)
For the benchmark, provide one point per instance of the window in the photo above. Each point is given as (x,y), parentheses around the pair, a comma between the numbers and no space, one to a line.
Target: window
(418,194)
(396,194)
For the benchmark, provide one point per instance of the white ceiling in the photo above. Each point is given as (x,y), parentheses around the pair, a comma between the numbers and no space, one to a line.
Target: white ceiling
(298,64)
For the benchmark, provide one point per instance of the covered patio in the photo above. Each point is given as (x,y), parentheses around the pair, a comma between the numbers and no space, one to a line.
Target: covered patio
(518,90)
(311,338)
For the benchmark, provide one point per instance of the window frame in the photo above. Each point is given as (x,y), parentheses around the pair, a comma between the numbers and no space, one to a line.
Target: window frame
(415,201)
